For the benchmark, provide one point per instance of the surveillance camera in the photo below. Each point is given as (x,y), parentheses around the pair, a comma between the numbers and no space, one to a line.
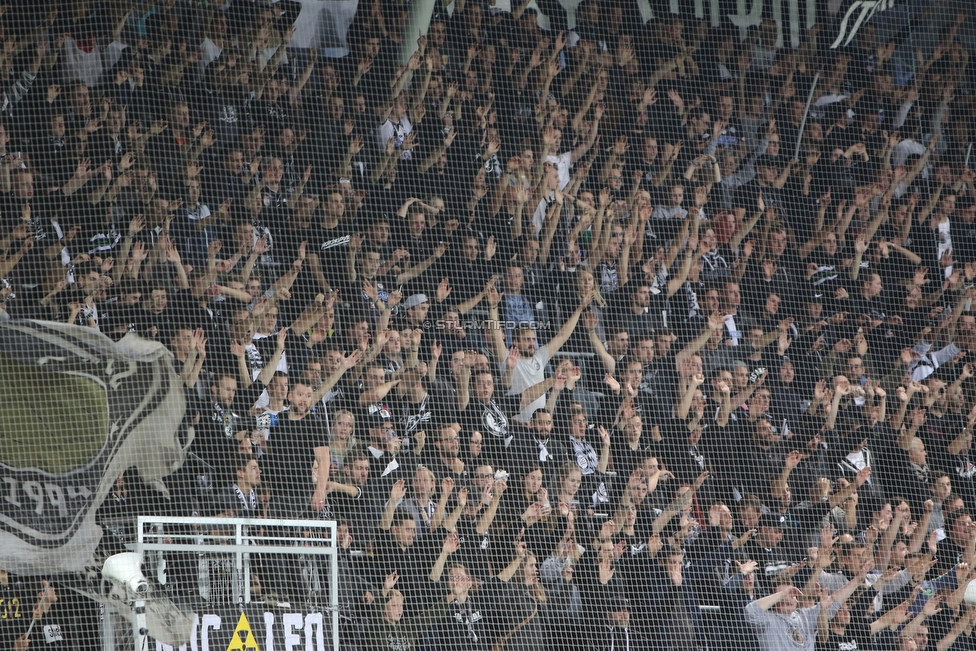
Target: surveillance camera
(124,569)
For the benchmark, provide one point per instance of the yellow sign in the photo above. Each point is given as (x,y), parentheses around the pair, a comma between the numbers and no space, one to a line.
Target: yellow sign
(243,637)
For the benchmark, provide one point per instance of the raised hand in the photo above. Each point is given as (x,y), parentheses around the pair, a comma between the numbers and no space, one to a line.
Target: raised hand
(606,571)
(398,491)
(513,357)
(451,543)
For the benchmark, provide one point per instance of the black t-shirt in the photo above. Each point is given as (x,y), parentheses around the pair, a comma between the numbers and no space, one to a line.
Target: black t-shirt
(332,247)
(686,461)
(856,637)
(71,622)
(215,442)
(938,433)
(772,562)
(416,416)
(15,612)
(467,625)
(413,564)
(493,420)
(293,456)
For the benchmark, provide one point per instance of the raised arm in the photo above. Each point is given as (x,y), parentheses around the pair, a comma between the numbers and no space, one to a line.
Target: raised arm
(415,271)
(347,363)
(535,392)
(472,302)
(495,496)
(451,544)
(509,571)
(397,493)
(440,512)
(684,405)
(451,521)
(589,323)
(497,336)
(715,322)
(264,377)
(845,593)
(678,504)
(966,620)
(564,333)
(771,600)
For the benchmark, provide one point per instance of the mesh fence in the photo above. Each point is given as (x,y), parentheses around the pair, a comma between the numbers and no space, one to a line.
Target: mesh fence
(619,324)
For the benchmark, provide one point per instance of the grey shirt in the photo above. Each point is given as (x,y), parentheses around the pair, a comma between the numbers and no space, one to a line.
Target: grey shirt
(796,631)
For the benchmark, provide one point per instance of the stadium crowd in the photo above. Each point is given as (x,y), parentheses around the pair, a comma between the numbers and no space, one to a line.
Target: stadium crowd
(574,332)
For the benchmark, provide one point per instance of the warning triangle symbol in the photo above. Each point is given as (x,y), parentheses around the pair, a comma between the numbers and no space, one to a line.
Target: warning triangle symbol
(243,638)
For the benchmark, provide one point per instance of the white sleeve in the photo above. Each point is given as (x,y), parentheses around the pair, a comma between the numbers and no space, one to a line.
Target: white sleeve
(756,615)
(539,216)
(383,134)
(940,357)
(543,354)
(202,213)
(902,115)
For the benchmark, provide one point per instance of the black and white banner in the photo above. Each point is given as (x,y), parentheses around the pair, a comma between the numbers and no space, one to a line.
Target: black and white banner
(77,410)
(858,13)
(256,629)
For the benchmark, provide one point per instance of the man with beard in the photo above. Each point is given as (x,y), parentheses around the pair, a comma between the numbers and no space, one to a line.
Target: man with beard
(446,462)
(301,444)
(962,329)
(529,369)
(299,467)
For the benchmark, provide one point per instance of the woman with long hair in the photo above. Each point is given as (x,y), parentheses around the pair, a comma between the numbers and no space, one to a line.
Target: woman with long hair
(567,487)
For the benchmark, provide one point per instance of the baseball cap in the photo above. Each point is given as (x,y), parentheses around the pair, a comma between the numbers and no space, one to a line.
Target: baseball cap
(414,301)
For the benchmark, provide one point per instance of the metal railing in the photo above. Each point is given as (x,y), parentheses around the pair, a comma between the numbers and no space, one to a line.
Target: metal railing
(234,540)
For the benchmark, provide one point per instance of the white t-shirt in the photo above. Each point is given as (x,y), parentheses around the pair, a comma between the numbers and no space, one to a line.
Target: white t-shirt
(529,372)
(251,350)
(208,52)
(563,163)
(198,212)
(307,26)
(396,130)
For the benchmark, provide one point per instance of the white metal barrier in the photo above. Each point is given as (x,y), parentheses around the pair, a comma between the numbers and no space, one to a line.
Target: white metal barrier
(236,539)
